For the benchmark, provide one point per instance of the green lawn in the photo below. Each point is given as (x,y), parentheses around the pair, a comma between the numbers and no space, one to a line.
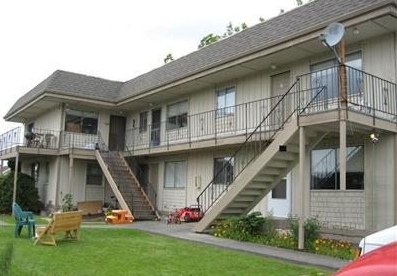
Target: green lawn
(118,252)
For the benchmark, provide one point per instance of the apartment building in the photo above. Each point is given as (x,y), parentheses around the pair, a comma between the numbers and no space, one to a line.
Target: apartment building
(255,121)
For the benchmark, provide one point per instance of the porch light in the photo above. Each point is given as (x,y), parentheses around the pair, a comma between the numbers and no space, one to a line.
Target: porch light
(374,137)
(356,31)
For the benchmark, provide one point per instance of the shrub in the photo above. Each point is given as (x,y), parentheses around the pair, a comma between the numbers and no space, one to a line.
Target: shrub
(27,194)
(67,201)
(311,228)
(244,228)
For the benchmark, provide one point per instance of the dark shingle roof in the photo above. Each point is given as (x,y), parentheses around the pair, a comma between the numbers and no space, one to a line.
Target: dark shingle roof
(258,37)
(314,15)
(71,84)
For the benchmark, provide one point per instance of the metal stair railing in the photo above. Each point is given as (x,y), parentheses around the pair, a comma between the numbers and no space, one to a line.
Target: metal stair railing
(147,187)
(253,146)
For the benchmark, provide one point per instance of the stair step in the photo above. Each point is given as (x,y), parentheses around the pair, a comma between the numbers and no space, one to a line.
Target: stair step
(128,187)
(263,179)
(245,198)
(278,164)
(286,156)
(270,171)
(259,185)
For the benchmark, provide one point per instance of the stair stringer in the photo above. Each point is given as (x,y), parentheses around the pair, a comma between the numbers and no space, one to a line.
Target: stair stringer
(261,176)
(248,174)
(112,183)
(313,140)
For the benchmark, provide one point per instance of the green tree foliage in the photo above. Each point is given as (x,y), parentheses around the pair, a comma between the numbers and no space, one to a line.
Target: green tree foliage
(27,194)
(168,58)
(230,30)
(208,39)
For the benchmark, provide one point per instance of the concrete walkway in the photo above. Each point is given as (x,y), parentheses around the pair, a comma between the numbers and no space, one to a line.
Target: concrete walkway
(184,231)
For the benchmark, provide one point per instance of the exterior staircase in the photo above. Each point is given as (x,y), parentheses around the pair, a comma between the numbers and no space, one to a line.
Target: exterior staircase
(260,177)
(125,186)
(268,154)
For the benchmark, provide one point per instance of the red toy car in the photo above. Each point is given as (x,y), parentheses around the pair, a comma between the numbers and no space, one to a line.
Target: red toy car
(186,214)
(381,261)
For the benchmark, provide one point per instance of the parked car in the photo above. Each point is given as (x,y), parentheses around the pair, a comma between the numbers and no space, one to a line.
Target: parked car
(381,261)
(378,239)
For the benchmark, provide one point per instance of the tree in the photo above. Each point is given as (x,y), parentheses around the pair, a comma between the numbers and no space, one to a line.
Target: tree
(208,39)
(168,58)
(27,194)
(230,30)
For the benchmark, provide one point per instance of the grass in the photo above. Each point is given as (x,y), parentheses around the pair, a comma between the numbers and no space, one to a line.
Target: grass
(117,251)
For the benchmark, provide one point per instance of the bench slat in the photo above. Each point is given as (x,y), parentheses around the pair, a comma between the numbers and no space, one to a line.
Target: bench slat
(68,222)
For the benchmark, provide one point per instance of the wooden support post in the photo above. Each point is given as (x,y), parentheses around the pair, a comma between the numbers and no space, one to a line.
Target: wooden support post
(342,115)
(71,168)
(302,171)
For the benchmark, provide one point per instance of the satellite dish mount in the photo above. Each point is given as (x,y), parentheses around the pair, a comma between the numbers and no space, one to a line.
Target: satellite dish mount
(331,36)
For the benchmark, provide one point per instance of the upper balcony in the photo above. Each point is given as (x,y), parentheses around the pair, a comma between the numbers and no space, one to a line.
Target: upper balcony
(315,95)
(46,142)
(370,101)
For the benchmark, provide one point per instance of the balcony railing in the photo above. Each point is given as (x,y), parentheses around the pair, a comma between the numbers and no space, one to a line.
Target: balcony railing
(315,92)
(366,93)
(236,120)
(79,140)
(46,139)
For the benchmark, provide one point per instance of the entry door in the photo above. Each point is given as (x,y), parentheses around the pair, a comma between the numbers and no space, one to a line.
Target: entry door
(155,129)
(280,84)
(117,133)
(279,203)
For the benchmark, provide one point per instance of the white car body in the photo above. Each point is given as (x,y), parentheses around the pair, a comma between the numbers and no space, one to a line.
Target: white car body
(378,239)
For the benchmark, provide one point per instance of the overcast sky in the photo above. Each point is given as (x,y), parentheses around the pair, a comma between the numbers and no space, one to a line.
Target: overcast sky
(116,40)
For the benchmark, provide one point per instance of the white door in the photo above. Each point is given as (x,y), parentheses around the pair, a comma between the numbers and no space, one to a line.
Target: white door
(279,203)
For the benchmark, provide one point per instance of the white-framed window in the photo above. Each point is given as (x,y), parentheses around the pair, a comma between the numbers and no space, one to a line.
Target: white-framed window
(81,121)
(175,174)
(325,76)
(177,115)
(93,174)
(225,101)
(325,168)
(143,121)
(223,170)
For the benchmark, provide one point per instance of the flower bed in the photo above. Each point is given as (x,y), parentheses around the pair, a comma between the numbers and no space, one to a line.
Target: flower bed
(258,229)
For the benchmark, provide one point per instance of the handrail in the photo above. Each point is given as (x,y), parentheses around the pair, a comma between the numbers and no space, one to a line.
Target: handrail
(150,193)
(147,187)
(254,144)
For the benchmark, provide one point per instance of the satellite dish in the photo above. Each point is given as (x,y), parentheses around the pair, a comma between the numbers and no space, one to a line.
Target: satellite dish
(332,34)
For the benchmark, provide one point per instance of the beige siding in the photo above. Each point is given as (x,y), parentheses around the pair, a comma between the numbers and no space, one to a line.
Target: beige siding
(200,168)
(52,182)
(202,101)
(250,88)
(50,120)
(103,125)
(379,164)
(380,57)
